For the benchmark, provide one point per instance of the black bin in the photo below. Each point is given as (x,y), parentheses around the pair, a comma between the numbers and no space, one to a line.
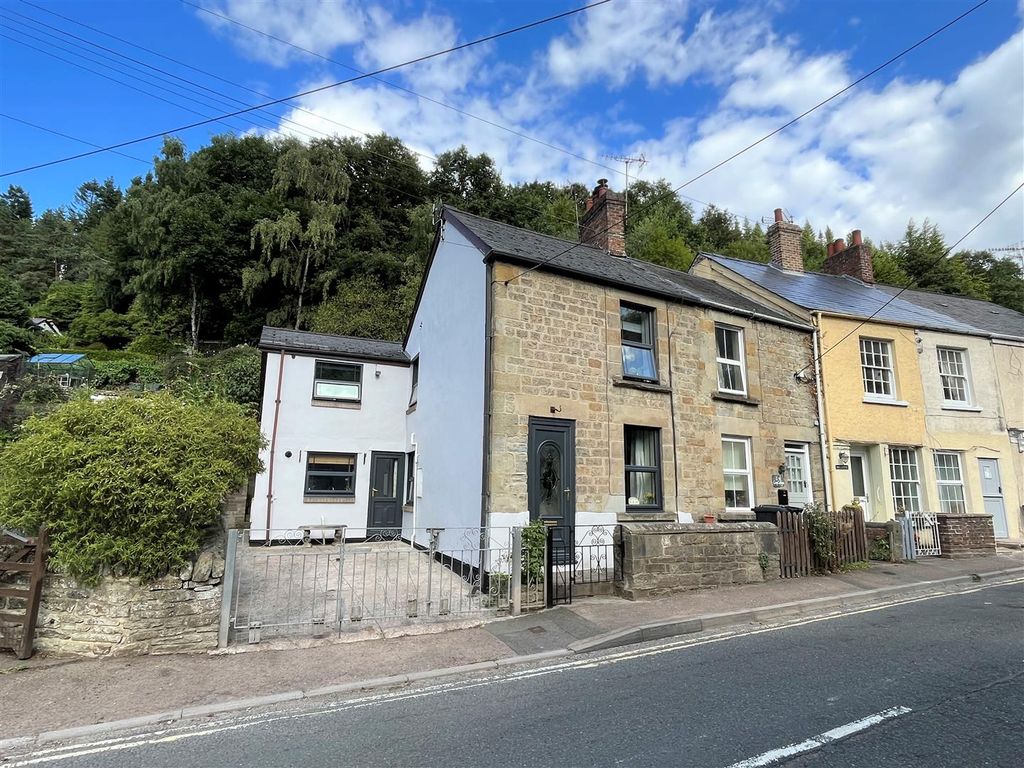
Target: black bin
(766,513)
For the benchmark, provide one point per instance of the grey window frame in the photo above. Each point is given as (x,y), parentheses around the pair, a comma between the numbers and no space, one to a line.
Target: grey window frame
(410,476)
(317,379)
(353,474)
(654,469)
(415,374)
(650,326)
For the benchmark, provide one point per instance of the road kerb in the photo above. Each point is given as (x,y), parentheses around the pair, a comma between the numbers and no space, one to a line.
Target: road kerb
(626,636)
(688,625)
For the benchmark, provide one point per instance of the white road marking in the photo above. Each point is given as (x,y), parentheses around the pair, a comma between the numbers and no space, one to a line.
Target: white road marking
(193,729)
(775,755)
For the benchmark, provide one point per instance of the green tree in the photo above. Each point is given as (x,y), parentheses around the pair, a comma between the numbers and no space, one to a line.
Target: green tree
(1004,277)
(470,182)
(313,182)
(129,485)
(13,306)
(65,300)
(365,307)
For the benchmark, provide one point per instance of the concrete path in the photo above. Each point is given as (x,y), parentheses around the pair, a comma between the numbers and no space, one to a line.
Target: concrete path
(46,694)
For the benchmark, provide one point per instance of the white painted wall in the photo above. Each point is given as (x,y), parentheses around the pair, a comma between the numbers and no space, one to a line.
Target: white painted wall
(448,335)
(305,426)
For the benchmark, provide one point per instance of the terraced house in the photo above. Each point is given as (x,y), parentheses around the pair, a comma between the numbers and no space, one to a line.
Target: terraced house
(548,379)
(922,393)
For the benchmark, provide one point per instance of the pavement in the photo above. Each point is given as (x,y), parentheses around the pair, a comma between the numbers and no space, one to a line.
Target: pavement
(43,697)
(934,682)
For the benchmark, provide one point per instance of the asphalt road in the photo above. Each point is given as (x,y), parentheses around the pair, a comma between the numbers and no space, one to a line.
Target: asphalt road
(947,674)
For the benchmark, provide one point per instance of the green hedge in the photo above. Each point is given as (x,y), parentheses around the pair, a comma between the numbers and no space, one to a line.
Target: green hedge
(127,485)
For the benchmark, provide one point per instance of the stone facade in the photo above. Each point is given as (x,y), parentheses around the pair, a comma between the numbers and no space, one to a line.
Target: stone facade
(119,616)
(784,242)
(890,532)
(557,354)
(662,559)
(966,535)
(232,516)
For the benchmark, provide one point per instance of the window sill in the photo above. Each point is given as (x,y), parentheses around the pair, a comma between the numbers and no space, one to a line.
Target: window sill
(336,404)
(407,507)
(647,516)
(728,397)
(410,409)
(734,515)
(328,499)
(883,401)
(966,408)
(646,386)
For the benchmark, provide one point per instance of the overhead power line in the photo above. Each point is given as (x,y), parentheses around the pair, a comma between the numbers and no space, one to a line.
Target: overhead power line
(913,283)
(319,89)
(768,135)
(67,136)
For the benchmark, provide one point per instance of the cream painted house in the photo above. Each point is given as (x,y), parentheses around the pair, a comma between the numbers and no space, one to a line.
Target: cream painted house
(920,392)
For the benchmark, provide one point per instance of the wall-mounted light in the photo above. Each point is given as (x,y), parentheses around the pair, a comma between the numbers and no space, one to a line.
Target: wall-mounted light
(844,457)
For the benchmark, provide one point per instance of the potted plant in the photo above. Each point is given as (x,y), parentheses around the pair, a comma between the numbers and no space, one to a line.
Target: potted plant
(711,519)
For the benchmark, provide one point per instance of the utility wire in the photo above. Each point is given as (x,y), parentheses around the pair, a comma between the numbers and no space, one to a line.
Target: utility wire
(67,136)
(767,136)
(298,107)
(382,70)
(417,94)
(913,283)
(223,99)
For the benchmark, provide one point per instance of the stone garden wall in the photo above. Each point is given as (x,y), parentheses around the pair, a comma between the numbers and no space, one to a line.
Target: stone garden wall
(119,616)
(665,558)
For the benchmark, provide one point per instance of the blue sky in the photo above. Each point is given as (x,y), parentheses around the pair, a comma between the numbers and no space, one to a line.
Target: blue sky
(685,82)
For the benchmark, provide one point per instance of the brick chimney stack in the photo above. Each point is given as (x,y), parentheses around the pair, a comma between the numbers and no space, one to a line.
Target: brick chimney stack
(603,224)
(784,244)
(854,260)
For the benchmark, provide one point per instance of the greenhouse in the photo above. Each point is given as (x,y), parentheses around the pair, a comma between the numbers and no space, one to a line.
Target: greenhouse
(70,369)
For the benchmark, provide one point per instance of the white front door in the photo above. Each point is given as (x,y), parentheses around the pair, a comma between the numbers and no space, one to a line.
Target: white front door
(798,474)
(861,477)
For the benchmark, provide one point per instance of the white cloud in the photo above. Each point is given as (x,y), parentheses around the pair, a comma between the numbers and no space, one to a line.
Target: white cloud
(317,25)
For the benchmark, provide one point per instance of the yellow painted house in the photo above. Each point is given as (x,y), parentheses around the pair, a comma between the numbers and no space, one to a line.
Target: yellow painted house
(921,395)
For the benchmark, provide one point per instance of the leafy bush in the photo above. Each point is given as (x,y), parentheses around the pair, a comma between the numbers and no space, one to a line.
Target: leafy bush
(157,346)
(15,339)
(535,537)
(137,369)
(233,375)
(127,485)
(109,328)
(821,527)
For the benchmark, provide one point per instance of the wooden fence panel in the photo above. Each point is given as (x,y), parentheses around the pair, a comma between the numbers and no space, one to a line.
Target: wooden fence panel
(26,556)
(797,558)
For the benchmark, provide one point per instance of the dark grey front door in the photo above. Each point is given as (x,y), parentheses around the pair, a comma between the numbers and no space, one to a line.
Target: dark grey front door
(992,494)
(386,490)
(551,471)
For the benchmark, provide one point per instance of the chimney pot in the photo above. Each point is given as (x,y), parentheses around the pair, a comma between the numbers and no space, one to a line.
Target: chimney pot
(854,261)
(830,249)
(778,215)
(840,245)
(856,237)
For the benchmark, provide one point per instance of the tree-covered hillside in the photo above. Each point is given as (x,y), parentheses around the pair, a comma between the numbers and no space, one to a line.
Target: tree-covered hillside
(333,235)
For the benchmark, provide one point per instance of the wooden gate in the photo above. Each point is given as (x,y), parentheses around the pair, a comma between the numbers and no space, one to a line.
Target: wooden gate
(795,557)
(19,602)
(851,540)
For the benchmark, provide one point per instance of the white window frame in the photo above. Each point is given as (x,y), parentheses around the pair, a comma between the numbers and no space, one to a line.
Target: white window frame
(911,477)
(748,473)
(941,483)
(889,368)
(741,363)
(964,377)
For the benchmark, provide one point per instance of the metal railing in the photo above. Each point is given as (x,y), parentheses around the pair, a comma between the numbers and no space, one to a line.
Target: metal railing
(920,535)
(322,580)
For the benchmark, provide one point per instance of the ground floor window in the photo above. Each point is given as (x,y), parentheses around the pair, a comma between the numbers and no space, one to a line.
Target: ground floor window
(736,463)
(950,479)
(331,474)
(643,468)
(906,480)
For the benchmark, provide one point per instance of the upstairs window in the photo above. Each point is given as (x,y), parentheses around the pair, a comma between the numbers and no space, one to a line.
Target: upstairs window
(410,477)
(415,380)
(338,381)
(331,474)
(732,367)
(638,343)
(643,468)
(876,369)
(953,374)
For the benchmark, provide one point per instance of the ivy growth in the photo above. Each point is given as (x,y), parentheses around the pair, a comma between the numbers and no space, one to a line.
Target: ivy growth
(821,528)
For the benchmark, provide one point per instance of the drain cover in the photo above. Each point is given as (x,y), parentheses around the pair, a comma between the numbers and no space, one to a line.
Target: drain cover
(537,630)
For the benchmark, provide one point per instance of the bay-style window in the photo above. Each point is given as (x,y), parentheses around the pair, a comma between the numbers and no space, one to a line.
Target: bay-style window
(950,479)
(638,359)
(732,367)
(331,474)
(906,479)
(338,381)
(739,479)
(956,388)
(643,468)
(877,370)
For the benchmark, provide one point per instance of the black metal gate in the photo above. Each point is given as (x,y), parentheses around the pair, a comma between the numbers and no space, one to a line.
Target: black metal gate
(581,559)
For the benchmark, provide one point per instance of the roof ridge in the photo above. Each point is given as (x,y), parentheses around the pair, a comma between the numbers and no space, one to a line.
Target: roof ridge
(332,335)
(535,233)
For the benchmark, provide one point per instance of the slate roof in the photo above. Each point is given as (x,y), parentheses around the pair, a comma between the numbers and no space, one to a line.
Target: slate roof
(844,295)
(984,315)
(327,344)
(595,265)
